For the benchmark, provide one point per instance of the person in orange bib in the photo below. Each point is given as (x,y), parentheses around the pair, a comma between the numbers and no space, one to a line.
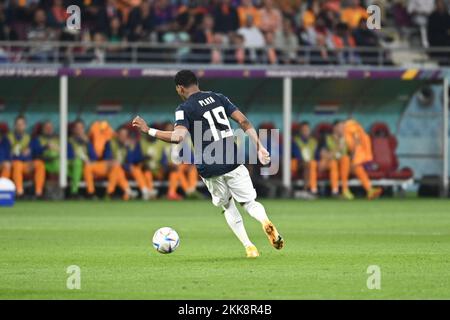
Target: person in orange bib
(106,165)
(360,150)
(22,162)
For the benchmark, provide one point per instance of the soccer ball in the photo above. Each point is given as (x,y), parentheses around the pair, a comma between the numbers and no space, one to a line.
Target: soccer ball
(166,240)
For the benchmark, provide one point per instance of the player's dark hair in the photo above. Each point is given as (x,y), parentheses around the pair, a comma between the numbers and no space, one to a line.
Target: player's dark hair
(186,78)
(336,122)
(20,117)
(304,123)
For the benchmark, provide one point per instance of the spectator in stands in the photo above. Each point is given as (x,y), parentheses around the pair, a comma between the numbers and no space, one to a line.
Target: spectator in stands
(5,156)
(246,10)
(271,19)
(164,15)
(286,41)
(364,37)
(22,162)
(309,16)
(140,22)
(400,14)
(343,41)
(205,35)
(253,39)
(45,147)
(335,158)
(40,32)
(236,55)
(79,153)
(106,13)
(121,161)
(226,17)
(271,55)
(419,10)
(321,37)
(305,155)
(439,26)
(352,14)
(359,147)
(289,8)
(116,31)
(57,14)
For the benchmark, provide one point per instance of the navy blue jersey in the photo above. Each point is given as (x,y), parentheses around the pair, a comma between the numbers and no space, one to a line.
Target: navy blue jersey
(205,114)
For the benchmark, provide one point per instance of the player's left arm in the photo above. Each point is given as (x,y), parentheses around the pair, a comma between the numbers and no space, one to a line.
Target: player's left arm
(175,136)
(248,128)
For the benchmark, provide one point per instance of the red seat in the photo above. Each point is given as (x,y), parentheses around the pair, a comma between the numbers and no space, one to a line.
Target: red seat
(4,129)
(384,145)
(322,129)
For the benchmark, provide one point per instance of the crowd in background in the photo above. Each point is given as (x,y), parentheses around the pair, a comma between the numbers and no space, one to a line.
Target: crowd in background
(255,31)
(121,156)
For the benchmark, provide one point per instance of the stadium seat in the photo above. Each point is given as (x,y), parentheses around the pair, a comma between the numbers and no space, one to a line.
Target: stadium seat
(4,129)
(322,129)
(384,145)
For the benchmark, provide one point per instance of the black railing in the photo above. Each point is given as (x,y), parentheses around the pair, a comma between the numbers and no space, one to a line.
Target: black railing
(69,53)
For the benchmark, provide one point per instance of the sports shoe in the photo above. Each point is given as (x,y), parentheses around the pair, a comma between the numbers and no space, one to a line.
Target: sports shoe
(374,193)
(174,196)
(347,195)
(251,251)
(275,239)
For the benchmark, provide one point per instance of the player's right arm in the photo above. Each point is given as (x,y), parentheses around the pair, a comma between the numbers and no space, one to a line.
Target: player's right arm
(248,128)
(175,136)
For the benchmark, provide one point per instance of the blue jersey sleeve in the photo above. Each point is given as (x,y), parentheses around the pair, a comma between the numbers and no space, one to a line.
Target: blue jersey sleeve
(227,104)
(181,116)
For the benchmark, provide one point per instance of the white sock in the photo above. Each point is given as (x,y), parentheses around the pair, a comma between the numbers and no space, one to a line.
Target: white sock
(234,220)
(256,210)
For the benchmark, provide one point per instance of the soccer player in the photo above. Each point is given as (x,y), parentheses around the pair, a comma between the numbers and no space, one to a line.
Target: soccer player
(206,113)
(360,149)
(334,156)
(305,153)
(22,162)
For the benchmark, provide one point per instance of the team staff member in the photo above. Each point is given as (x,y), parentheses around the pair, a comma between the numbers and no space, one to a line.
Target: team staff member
(121,160)
(148,163)
(22,162)
(45,147)
(305,154)
(334,156)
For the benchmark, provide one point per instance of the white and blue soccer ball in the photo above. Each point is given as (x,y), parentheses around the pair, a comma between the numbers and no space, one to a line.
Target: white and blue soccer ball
(166,240)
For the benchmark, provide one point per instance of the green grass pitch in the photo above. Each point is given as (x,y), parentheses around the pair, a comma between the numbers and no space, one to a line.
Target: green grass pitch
(329,246)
